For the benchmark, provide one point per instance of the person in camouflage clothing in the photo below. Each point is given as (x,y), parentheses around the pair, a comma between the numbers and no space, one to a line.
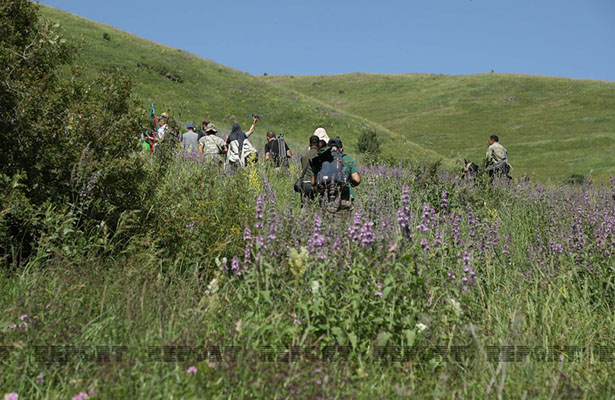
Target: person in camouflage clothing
(212,146)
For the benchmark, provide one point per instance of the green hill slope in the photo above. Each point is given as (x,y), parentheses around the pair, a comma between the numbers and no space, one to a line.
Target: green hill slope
(192,89)
(552,127)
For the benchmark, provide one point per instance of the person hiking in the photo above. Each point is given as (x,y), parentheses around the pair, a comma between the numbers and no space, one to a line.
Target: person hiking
(305,180)
(212,146)
(163,127)
(236,155)
(189,140)
(334,175)
(496,160)
(322,136)
(277,150)
(147,142)
(203,131)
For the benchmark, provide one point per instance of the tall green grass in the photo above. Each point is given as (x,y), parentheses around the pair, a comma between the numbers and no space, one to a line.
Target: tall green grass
(164,286)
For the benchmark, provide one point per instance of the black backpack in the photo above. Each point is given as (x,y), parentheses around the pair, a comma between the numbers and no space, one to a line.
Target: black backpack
(333,173)
(282,157)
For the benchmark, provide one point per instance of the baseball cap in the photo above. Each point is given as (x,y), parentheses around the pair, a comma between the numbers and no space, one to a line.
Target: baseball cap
(190,126)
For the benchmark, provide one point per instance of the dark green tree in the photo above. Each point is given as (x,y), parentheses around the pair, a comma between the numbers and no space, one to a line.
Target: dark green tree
(65,142)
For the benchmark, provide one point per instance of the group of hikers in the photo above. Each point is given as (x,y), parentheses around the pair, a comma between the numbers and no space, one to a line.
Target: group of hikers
(327,173)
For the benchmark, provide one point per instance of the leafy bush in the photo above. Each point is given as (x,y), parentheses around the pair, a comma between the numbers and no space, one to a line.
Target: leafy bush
(69,141)
(368,142)
(576,179)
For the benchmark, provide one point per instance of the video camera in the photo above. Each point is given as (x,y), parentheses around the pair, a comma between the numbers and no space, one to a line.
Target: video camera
(256,115)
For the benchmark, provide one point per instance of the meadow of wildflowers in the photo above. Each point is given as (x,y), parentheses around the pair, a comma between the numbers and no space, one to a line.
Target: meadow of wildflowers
(225,287)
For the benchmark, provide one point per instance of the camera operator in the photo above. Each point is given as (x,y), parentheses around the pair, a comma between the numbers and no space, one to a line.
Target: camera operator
(277,150)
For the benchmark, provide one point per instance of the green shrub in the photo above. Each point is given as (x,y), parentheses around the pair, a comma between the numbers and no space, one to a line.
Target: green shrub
(576,179)
(66,141)
(368,142)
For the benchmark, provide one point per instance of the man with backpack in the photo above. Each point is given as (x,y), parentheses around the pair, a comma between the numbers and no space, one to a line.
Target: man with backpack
(304,183)
(212,146)
(277,150)
(334,176)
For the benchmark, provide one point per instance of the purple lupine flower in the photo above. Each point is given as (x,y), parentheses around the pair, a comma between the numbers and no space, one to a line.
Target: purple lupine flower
(235,267)
(354,230)
(465,257)
(433,221)
(317,240)
(272,232)
(247,234)
(451,275)
(425,244)
(425,219)
(403,213)
(492,237)
(247,257)
(367,235)
(456,233)
(438,239)
(296,321)
(192,370)
(444,202)
(260,212)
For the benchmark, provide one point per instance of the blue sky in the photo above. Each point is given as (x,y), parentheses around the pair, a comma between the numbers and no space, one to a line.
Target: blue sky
(568,38)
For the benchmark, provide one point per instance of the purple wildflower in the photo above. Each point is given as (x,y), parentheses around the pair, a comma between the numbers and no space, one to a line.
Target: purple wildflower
(367,235)
(260,212)
(444,202)
(438,240)
(425,219)
(235,267)
(317,240)
(355,229)
(403,213)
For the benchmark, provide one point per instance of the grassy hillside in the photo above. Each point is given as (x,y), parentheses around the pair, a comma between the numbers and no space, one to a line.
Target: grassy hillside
(193,89)
(552,127)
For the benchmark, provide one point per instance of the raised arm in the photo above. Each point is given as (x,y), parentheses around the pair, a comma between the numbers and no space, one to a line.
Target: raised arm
(251,130)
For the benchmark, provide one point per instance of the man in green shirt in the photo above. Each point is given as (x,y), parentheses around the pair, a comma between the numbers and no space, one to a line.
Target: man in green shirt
(496,159)
(346,196)
(307,191)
